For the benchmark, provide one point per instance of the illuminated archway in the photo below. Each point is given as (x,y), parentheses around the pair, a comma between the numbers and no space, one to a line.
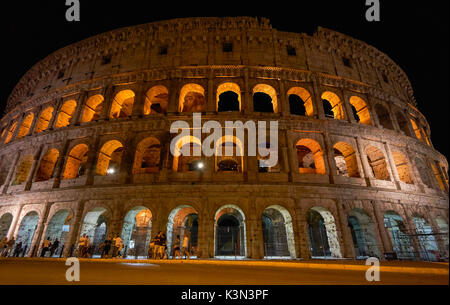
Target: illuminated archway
(95,226)
(156,100)
(228,98)
(383,117)
(230,236)
(192,99)
(44,120)
(300,102)
(265,99)
(136,232)
(345,159)
(10,132)
(364,238)
(361,111)
(47,166)
(23,170)
(25,127)
(331,100)
(5,224)
(187,153)
(93,109)
(66,114)
(58,229)
(148,156)
(183,221)
(122,105)
(322,232)
(278,233)
(109,158)
(229,155)
(403,123)
(377,163)
(310,157)
(27,230)
(403,168)
(76,162)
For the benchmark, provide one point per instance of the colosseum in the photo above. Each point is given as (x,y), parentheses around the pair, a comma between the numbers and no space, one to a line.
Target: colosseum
(85,147)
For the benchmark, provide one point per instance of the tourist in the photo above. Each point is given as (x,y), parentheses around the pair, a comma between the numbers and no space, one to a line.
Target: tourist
(176,248)
(17,249)
(106,247)
(163,248)
(46,247)
(117,245)
(54,247)
(82,246)
(186,247)
(158,242)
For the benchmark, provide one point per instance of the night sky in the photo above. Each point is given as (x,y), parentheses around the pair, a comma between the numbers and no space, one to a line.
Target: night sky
(414,36)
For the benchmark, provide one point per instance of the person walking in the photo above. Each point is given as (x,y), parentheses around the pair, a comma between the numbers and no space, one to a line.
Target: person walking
(186,247)
(176,248)
(17,249)
(106,247)
(163,248)
(54,247)
(9,247)
(82,247)
(117,245)
(157,245)
(46,247)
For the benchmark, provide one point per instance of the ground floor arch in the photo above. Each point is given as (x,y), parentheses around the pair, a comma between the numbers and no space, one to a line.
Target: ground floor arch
(27,230)
(363,234)
(5,224)
(58,229)
(230,232)
(136,232)
(426,238)
(322,233)
(278,233)
(183,221)
(399,235)
(95,226)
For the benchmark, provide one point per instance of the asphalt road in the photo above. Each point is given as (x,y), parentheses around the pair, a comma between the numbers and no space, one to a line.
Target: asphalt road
(53,273)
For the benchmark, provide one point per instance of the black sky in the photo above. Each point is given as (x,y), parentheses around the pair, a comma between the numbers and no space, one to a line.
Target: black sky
(413,35)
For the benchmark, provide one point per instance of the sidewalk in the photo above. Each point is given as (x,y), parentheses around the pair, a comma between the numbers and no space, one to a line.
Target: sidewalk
(344,265)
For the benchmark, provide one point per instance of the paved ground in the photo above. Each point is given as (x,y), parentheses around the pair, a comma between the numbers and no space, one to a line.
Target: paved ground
(29,272)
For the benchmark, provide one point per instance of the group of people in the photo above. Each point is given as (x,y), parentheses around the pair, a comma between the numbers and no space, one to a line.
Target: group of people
(158,247)
(7,245)
(48,245)
(110,248)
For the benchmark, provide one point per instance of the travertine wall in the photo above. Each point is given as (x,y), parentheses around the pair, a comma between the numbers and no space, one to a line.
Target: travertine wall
(191,55)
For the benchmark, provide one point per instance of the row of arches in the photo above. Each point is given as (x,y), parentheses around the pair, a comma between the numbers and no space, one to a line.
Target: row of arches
(228,99)
(149,155)
(230,232)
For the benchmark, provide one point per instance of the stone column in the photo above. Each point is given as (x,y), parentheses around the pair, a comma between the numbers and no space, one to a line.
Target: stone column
(139,102)
(108,94)
(393,170)
(60,165)
(293,162)
(13,228)
(367,170)
(211,102)
(76,119)
(32,173)
(317,96)
(75,227)
(92,160)
(410,227)
(247,98)
(328,150)
(255,240)
(284,103)
(348,110)
(11,172)
(35,120)
(379,217)
(127,162)
(174,96)
(205,236)
(56,110)
(301,236)
(349,249)
(40,230)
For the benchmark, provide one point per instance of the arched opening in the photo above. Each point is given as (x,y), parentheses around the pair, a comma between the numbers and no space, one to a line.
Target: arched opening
(192,99)
(426,237)
(44,120)
(322,233)
(11,131)
(416,129)
(93,109)
(230,233)
(403,168)
(437,175)
(66,114)
(361,112)
(187,155)
(345,159)
(300,102)
(310,157)
(136,232)
(265,99)
(442,226)
(47,166)
(156,100)
(95,226)
(424,172)
(383,117)
(377,163)
(183,221)
(109,158)
(398,235)
(403,123)
(278,233)
(57,231)
(362,229)
(229,155)
(26,231)
(23,170)
(25,127)
(122,105)
(228,97)
(332,105)
(5,225)
(76,162)
(148,157)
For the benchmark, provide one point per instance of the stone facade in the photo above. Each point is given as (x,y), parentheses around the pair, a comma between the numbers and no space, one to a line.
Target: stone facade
(111,99)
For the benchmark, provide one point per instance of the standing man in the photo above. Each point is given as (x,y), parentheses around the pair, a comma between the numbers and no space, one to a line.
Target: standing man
(54,247)
(46,247)
(117,245)
(82,246)
(186,247)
